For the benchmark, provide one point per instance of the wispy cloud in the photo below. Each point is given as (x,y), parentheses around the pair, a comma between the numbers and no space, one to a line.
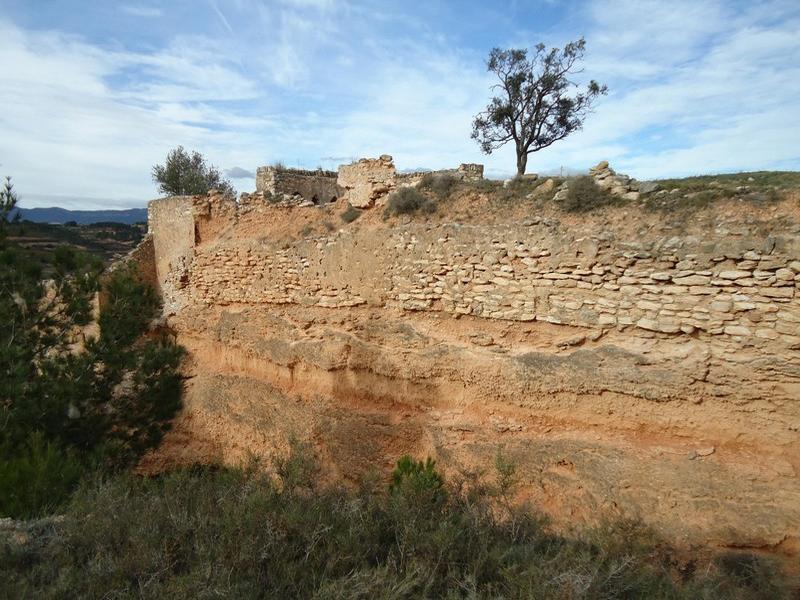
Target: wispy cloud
(140,10)
(221,17)
(696,86)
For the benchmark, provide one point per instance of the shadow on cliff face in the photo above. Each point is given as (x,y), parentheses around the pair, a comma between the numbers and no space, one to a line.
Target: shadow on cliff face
(281,533)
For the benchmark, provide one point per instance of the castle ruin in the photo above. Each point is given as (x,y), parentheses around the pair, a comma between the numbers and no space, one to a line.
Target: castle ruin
(361,183)
(630,364)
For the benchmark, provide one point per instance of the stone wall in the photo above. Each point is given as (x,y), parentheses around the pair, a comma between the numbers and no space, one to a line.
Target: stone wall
(744,290)
(464,172)
(171,222)
(631,364)
(142,259)
(470,171)
(368,181)
(317,186)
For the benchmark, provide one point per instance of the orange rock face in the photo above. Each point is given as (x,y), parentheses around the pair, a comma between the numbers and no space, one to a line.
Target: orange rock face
(615,358)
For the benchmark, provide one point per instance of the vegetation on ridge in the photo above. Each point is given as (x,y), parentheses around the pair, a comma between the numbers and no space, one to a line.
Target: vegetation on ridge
(240,533)
(185,174)
(69,406)
(533,106)
(406,201)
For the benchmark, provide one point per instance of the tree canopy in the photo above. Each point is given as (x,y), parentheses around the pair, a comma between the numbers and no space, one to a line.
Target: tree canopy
(188,174)
(533,105)
(69,407)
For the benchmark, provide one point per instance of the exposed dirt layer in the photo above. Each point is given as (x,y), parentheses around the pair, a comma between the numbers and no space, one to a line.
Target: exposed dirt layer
(621,426)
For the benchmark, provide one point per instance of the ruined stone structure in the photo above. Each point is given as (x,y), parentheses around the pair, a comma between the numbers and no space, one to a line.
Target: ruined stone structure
(369,181)
(617,184)
(465,172)
(633,369)
(284,184)
(363,183)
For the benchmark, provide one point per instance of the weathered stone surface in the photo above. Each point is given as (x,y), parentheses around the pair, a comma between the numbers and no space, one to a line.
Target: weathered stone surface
(733,274)
(619,185)
(648,187)
(368,181)
(692,280)
(736,330)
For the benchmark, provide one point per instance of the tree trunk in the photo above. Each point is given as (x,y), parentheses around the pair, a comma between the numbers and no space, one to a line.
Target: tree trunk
(522,162)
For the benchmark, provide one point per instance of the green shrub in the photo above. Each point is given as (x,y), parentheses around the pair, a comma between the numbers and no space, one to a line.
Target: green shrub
(37,477)
(441,184)
(185,173)
(299,468)
(746,571)
(484,186)
(103,406)
(417,475)
(584,195)
(408,200)
(351,213)
(236,533)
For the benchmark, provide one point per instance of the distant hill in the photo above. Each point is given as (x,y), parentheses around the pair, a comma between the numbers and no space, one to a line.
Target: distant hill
(83,217)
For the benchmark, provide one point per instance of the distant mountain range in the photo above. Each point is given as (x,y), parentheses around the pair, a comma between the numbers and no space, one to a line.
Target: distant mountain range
(83,217)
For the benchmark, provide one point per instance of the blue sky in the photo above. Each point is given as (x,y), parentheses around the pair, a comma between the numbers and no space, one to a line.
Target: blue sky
(95,93)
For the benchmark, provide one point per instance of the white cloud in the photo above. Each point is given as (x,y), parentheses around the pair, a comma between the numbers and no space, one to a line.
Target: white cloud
(695,87)
(140,10)
(67,132)
(716,86)
(318,4)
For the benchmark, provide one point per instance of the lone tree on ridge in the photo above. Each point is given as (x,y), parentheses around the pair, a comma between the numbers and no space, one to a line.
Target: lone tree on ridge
(533,106)
(185,174)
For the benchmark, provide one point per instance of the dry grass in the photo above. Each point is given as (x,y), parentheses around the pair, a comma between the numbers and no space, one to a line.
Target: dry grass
(207,532)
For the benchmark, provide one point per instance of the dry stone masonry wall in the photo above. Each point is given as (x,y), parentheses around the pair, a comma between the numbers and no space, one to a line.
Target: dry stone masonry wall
(740,289)
(317,187)
(363,183)
(647,367)
(368,181)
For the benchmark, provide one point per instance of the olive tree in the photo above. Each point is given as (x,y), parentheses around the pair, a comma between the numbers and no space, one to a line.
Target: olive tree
(536,102)
(185,174)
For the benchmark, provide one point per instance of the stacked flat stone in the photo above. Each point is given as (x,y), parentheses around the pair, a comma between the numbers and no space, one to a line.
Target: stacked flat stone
(561,192)
(736,291)
(619,185)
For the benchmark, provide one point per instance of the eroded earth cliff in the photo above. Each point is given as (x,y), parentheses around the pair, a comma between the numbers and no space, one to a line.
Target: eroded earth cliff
(631,363)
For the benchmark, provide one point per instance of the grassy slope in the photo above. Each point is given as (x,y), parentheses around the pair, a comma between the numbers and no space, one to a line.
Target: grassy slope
(241,534)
